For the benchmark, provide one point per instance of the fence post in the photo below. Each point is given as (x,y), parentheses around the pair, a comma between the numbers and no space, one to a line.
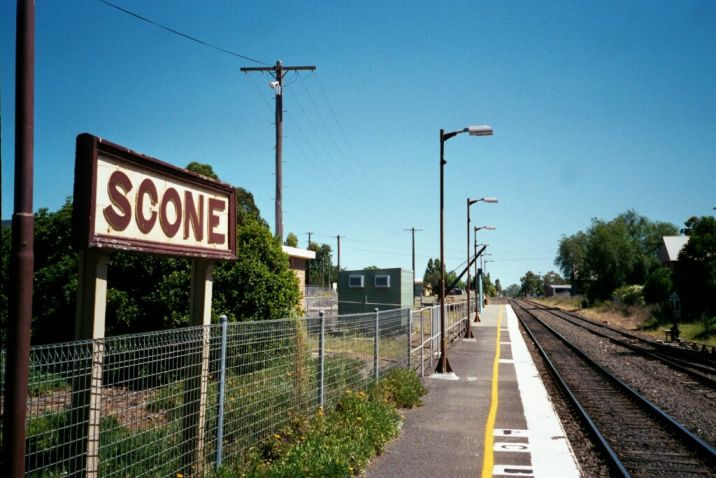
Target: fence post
(410,330)
(432,336)
(422,346)
(222,391)
(321,357)
(375,346)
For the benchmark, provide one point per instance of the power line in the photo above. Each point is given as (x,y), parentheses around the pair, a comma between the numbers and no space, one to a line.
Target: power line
(183,35)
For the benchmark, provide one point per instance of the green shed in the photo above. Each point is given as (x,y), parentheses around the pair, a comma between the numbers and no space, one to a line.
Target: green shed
(365,290)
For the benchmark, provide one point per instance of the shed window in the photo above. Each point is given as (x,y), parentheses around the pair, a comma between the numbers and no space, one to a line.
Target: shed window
(382,281)
(356,281)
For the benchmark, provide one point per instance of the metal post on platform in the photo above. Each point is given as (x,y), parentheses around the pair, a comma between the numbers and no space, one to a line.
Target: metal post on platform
(376,351)
(223,320)
(422,346)
(410,330)
(321,358)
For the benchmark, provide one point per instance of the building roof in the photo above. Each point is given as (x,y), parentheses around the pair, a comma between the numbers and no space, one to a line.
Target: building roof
(671,246)
(299,253)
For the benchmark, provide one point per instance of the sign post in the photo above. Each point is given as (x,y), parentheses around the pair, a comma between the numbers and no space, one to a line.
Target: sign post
(125,201)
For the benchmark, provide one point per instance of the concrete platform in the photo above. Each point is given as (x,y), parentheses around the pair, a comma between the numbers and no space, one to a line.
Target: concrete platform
(494,420)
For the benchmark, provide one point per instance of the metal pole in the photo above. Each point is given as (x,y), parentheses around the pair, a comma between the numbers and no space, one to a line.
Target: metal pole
(422,346)
(443,364)
(479,276)
(279,151)
(321,358)
(468,328)
(21,257)
(410,330)
(376,350)
(223,320)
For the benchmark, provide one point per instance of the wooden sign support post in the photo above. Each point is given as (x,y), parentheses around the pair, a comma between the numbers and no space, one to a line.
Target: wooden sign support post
(90,324)
(197,370)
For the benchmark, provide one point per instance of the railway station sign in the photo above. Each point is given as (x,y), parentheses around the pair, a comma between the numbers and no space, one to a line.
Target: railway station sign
(127,201)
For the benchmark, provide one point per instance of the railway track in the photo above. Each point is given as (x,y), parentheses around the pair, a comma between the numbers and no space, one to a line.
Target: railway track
(636,437)
(695,364)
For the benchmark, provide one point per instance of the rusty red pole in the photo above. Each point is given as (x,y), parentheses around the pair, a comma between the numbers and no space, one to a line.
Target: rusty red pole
(21,256)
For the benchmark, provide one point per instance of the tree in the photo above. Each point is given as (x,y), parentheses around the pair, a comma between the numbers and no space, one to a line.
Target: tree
(552,278)
(530,284)
(498,286)
(695,271)
(322,272)
(203,169)
(513,290)
(658,285)
(259,285)
(611,254)
(431,278)
(291,240)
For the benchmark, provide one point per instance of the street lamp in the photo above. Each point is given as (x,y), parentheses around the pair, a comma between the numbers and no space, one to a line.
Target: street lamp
(478,272)
(484,130)
(481,272)
(470,202)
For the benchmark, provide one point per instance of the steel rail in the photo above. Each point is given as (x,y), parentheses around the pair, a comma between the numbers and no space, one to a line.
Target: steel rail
(613,461)
(700,446)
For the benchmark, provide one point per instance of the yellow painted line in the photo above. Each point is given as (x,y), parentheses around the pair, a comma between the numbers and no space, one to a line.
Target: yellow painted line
(488,460)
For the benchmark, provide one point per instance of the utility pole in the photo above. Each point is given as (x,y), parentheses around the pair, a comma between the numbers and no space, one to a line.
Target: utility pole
(17,364)
(412,230)
(308,265)
(278,72)
(338,238)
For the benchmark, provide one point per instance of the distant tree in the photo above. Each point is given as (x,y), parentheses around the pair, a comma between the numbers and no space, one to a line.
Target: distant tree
(291,240)
(658,285)
(513,290)
(371,268)
(695,271)
(611,254)
(203,169)
(530,284)
(572,258)
(488,288)
(322,272)
(552,278)
(431,278)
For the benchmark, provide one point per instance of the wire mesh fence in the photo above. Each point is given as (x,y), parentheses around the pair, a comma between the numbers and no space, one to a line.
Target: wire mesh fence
(182,401)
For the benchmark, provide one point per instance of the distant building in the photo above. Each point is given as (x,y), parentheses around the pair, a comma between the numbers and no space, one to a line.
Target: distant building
(557,289)
(362,291)
(670,248)
(298,263)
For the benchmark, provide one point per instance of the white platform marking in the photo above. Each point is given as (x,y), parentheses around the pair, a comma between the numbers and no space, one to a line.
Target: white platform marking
(512,447)
(513,470)
(550,457)
(504,432)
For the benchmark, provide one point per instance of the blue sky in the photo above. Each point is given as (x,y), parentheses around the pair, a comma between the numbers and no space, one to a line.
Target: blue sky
(597,107)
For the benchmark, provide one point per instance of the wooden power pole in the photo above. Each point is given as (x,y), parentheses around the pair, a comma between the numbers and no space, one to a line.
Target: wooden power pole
(278,72)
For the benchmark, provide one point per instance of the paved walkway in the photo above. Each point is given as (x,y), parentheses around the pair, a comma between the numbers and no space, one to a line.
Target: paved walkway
(494,420)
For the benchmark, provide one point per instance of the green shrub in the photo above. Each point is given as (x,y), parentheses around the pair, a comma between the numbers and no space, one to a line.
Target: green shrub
(339,443)
(400,387)
(629,295)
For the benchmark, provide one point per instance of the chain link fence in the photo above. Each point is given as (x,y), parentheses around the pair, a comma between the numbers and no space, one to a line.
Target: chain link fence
(182,401)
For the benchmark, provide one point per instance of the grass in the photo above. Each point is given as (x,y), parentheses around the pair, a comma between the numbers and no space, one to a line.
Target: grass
(644,318)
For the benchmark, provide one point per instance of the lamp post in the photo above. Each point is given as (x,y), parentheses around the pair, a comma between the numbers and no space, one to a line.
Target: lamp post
(443,364)
(470,202)
(478,274)
(477,316)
